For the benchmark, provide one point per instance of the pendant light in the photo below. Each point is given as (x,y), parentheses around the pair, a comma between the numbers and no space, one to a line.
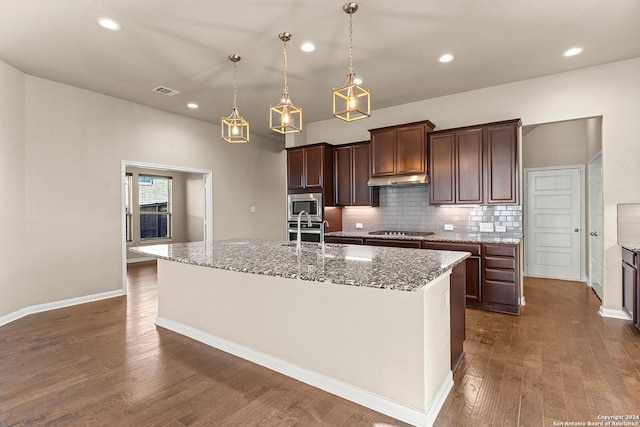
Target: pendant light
(235,129)
(285,117)
(351,101)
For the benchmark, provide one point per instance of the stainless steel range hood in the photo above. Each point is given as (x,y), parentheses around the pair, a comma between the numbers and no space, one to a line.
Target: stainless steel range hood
(382,181)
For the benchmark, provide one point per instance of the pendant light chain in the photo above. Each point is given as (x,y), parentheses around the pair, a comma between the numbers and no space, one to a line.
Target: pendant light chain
(235,88)
(351,43)
(285,89)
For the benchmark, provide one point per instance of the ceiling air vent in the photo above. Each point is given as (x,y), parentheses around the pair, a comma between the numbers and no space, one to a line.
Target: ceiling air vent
(165,91)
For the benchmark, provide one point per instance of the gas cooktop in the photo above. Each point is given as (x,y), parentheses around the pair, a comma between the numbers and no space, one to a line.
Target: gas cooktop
(400,233)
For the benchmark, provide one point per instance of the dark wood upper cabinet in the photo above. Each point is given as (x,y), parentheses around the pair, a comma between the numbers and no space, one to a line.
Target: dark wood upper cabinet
(469,186)
(410,149)
(383,152)
(314,167)
(475,164)
(342,166)
(442,167)
(310,169)
(363,195)
(502,163)
(295,169)
(399,150)
(352,172)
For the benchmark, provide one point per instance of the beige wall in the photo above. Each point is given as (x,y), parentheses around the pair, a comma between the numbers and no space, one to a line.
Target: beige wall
(194,188)
(14,294)
(71,143)
(611,91)
(555,144)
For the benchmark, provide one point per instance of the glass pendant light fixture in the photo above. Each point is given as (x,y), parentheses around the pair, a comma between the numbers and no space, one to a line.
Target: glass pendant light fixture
(351,101)
(235,129)
(285,117)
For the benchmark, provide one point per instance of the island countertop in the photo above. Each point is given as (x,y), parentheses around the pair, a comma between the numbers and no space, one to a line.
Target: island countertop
(370,266)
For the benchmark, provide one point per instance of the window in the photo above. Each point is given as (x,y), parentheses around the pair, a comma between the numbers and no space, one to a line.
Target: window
(154,198)
(128,202)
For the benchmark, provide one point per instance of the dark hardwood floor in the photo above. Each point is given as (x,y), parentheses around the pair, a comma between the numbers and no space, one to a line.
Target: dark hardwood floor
(558,361)
(106,363)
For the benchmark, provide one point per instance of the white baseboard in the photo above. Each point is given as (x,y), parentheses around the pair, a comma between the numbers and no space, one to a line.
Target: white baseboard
(57,304)
(614,314)
(333,386)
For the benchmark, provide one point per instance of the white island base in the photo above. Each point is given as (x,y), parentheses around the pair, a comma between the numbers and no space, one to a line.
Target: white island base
(388,350)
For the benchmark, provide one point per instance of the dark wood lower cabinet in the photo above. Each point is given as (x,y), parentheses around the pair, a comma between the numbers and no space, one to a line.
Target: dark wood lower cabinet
(631,285)
(394,243)
(344,240)
(458,322)
(501,277)
(492,272)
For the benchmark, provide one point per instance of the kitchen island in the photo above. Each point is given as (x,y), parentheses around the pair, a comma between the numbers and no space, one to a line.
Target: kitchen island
(370,324)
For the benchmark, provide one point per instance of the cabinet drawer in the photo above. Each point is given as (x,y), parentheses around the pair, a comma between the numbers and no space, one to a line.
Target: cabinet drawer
(500,250)
(501,275)
(394,243)
(344,240)
(445,246)
(499,262)
(629,257)
(499,292)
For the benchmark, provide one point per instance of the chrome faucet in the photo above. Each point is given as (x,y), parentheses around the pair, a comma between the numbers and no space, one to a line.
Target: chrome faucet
(322,229)
(299,240)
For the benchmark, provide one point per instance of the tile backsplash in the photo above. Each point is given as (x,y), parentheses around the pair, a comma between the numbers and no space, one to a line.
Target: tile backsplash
(408,209)
(628,223)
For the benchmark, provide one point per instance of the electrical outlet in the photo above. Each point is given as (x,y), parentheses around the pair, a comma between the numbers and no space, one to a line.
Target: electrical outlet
(501,228)
(448,227)
(252,209)
(359,225)
(486,227)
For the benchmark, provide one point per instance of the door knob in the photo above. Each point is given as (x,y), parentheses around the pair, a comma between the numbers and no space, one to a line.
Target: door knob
(576,229)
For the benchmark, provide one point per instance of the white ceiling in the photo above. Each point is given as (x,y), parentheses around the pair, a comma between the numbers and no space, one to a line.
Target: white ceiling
(184,45)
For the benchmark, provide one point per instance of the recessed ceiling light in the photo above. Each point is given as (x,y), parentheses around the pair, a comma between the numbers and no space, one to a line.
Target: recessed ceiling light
(573,51)
(357,81)
(192,105)
(447,57)
(108,23)
(307,47)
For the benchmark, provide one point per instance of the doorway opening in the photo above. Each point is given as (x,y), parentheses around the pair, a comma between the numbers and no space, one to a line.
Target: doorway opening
(163,204)
(552,153)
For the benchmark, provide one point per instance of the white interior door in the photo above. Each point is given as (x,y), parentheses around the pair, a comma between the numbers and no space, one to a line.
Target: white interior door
(596,207)
(554,215)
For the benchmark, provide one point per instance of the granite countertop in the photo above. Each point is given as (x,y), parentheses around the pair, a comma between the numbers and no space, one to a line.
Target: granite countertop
(633,247)
(444,237)
(372,266)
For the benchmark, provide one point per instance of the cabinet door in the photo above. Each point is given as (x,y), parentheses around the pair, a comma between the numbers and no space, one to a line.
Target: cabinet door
(441,168)
(636,291)
(342,159)
(410,149)
(474,291)
(457,300)
(313,163)
(361,172)
(469,166)
(629,285)
(383,151)
(502,161)
(295,169)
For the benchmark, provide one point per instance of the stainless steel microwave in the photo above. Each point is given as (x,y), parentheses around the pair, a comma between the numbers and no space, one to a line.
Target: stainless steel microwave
(311,203)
